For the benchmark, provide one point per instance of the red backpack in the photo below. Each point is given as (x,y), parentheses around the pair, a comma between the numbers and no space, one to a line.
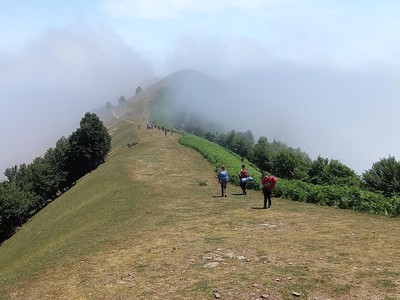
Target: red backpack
(245,173)
(273,180)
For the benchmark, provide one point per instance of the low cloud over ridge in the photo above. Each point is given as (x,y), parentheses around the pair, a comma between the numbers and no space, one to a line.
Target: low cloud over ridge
(46,87)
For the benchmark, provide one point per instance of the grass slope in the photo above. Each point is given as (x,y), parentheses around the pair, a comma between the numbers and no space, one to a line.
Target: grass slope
(143,226)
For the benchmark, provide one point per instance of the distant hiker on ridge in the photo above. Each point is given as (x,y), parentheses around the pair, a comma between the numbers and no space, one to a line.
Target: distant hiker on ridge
(268,184)
(223,179)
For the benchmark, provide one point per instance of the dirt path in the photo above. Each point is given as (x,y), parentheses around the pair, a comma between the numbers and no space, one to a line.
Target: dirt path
(169,236)
(195,244)
(119,118)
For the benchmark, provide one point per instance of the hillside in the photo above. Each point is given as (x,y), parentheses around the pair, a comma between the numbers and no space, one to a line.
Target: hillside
(145,226)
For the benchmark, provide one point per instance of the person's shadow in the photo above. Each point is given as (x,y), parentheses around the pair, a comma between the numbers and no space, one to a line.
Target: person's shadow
(233,194)
(258,207)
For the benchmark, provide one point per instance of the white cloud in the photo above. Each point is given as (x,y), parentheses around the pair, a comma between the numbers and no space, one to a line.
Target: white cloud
(77,68)
(170,9)
(47,87)
(217,56)
(302,31)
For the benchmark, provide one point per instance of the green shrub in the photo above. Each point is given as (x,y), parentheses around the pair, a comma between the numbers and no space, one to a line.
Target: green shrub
(217,155)
(345,197)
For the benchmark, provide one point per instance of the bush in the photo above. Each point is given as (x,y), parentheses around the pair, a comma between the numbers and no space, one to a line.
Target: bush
(217,155)
(345,197)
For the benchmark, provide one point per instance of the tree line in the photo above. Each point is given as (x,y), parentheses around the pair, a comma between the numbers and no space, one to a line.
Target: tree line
(276,157)
(30,187)
(341,196)
(293,164)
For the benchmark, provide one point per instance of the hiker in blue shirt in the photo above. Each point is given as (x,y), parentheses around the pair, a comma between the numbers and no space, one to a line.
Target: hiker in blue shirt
(223,179)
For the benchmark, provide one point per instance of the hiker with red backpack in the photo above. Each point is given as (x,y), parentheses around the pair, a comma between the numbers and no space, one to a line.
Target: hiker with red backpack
(243,175)
(268,184)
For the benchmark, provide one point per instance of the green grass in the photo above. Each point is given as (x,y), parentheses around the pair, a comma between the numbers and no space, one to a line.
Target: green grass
(218,156)
(338,196)
(141,227)
(78,222)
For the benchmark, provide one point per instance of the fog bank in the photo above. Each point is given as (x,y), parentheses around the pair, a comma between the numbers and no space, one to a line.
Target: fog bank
(349,115)
(46,88)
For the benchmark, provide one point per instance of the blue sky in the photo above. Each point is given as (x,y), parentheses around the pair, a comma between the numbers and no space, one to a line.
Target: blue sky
(332,67)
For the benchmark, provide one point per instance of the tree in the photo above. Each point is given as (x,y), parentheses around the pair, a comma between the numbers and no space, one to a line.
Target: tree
(19,177)
(262,155)
(37,178)
(44,181)
(11,173)
(198,131)
(57,158)
(332,172)
(383,177)
(88,147)
(210,136)
(243,143)
(290,165)
(138,90)
(230,140)
(29,187)
(15,207)
(220,139)
(317,170)
(121,100)
(341,174)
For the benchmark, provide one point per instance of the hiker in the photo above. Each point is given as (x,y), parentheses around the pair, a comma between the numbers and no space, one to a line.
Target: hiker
(243,175)
(268,184)
(223,178)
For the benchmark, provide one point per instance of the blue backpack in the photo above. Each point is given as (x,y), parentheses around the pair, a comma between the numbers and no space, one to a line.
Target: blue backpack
(223,177)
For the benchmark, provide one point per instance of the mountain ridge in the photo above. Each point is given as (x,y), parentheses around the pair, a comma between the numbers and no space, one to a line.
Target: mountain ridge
(149,224)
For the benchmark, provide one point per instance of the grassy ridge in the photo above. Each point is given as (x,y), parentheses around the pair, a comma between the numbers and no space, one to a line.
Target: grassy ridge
(76,224)
(337,196)
(142,227)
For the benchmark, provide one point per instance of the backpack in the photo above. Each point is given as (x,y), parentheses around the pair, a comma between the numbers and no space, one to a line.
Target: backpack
(245,173)
(246,179)
(223,177)
(273,181)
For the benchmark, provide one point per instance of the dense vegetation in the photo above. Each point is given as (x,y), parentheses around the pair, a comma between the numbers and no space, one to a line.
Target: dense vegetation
(29,188)
(218,156)
(276,157)
(293,164)
(345,197)
(342,196)
(323,181)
